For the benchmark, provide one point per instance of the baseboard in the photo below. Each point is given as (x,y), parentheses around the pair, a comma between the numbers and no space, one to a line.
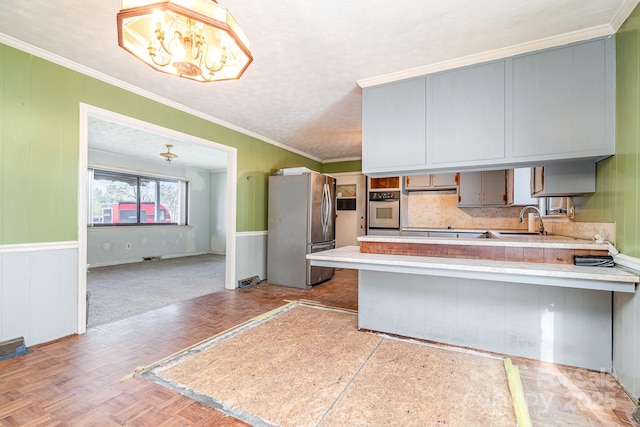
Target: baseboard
(133,261)
(110,263)
(184,255)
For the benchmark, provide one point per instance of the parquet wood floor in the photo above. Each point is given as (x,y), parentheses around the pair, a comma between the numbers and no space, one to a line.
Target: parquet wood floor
(75,381)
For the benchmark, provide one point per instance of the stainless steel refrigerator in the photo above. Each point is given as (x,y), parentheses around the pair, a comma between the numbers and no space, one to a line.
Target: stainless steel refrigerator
(301,221)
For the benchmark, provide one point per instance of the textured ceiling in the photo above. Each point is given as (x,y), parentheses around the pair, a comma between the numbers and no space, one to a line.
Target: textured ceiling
(127,140)
(301,91)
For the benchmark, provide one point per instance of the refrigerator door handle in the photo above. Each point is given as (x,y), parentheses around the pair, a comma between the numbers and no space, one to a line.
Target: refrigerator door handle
(329,207)
(326,208)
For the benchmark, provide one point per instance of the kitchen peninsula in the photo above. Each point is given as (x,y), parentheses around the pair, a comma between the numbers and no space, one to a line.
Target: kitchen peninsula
(466,295)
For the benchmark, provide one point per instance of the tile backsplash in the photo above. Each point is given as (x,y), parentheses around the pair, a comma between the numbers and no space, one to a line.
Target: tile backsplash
(438,209)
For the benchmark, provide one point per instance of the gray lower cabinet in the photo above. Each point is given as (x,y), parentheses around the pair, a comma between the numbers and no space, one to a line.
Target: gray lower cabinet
(394,126)
(488,188)
(466,114)
(563,102)
(561,325)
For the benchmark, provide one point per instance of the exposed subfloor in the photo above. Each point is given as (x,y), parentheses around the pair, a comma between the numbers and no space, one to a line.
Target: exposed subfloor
(76,380)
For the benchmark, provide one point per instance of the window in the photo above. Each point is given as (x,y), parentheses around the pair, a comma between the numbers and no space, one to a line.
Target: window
(125,199)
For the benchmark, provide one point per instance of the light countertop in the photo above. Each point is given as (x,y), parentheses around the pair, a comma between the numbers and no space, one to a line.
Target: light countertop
(571,276)
(498,239)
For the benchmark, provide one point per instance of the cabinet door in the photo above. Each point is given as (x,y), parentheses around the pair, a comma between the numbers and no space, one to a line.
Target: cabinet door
(470,189)
(393,126)
(522,187)
(443,180)
(417,182)
(537,180)
(564,179)
(488,188)
(563,102)
(494,188)
(466,114)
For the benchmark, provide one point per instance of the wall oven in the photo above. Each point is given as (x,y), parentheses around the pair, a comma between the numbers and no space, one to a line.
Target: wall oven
(384,209)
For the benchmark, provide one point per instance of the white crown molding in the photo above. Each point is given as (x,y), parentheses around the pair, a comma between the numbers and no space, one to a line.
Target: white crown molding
(622,14)
(36,51)
(576,36)
(346,159)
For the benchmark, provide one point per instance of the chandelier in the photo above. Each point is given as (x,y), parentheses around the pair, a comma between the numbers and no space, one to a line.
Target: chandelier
(195,39)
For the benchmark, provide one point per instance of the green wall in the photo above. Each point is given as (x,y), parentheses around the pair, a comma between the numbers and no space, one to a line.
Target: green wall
(39,123)
(338,167)
(617,196)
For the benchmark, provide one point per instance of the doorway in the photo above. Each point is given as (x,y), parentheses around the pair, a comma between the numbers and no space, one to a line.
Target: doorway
(351,208)
(201,147)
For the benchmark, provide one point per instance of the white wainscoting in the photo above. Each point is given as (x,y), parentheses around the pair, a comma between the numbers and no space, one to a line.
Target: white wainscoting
(626,333)
(626,341)
(38,291)
(562,325)
(251,254)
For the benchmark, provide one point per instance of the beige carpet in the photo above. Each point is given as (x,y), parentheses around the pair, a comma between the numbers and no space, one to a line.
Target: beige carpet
(125,290)
(310,366)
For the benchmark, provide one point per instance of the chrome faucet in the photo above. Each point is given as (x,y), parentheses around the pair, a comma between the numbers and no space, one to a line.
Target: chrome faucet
(541,224)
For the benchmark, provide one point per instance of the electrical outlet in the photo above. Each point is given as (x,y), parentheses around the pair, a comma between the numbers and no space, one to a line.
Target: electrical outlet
(128,246)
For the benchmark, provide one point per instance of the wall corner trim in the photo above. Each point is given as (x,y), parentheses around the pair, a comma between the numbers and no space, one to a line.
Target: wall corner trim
(627,261)
(37,247)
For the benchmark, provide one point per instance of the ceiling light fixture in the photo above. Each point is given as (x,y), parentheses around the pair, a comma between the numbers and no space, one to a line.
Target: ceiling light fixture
(195,39)
(168,156)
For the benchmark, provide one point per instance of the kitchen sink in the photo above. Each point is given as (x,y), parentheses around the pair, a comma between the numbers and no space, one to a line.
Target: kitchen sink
(468,234)
(513,233)
(472,235)
(448,233)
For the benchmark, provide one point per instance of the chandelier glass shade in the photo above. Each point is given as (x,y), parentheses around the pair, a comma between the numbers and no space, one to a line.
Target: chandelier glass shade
(195,39)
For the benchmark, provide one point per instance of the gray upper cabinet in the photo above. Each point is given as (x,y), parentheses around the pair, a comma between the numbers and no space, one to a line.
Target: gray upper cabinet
(444,180)
(527,110)
(563,102)
(393,126)
(417,182)
(563,179)
(441,181)
(466,114)
(488,188)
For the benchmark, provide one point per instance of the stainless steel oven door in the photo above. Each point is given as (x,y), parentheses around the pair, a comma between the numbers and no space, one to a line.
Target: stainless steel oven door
(384,213)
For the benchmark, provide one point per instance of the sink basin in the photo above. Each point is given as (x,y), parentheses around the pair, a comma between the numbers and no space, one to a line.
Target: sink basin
(457,234)
(468,234)
(447,233)
(513,233)
(474,235)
